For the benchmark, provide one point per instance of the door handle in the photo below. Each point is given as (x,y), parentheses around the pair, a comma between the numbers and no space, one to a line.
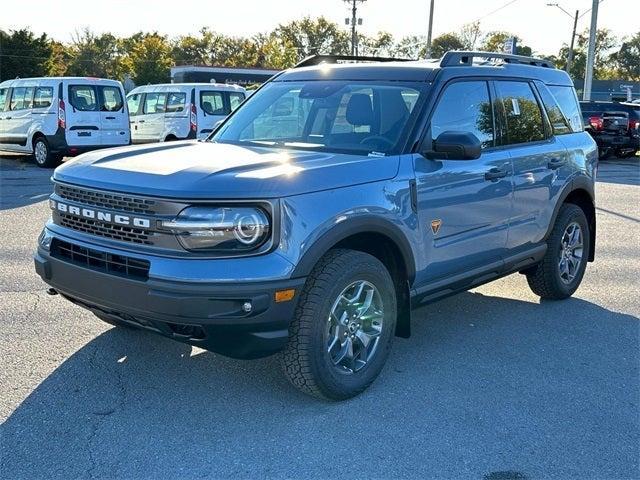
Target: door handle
(140,121)
(110,118)
(555,163)
(495,174)
(7,118)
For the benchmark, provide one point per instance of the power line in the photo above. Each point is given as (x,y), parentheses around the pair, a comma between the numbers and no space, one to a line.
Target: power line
(495,11)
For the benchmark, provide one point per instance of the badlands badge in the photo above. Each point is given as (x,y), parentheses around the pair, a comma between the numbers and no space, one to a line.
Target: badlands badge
(435,226)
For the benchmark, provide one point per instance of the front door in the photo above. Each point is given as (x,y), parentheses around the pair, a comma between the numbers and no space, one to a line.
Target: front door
(464,206)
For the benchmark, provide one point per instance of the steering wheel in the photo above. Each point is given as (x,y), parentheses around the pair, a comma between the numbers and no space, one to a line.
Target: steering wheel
(377,138)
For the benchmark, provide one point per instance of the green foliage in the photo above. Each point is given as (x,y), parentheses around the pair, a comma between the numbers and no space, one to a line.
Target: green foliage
(603,67)
(627,59)
(442,44)
(313,36)
(150,59)
(22,54)
(494,42)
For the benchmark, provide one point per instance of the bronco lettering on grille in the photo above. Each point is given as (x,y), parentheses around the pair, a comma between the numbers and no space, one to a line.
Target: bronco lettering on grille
(100,215)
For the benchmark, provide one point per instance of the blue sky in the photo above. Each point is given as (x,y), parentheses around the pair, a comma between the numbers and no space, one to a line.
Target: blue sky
(542,27)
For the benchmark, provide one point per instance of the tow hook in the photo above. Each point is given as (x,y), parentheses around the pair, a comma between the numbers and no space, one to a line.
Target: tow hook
(52,291)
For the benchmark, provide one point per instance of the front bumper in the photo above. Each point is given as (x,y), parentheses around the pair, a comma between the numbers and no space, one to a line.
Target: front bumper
(209,315)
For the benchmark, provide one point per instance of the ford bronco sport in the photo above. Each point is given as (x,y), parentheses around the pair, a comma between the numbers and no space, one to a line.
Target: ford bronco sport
(335,200)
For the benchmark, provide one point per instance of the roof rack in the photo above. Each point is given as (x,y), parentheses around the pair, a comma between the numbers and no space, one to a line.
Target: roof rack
(463,58)
(318,59)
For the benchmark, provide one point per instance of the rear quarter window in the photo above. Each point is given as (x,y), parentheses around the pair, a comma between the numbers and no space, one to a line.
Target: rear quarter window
(176,102)
(568,103)
(3,97)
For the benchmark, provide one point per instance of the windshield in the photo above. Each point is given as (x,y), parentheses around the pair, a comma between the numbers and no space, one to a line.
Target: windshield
(334,116)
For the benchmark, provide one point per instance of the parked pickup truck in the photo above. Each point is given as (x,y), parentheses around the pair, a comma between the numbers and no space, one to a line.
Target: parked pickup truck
(614,126)
(389,185)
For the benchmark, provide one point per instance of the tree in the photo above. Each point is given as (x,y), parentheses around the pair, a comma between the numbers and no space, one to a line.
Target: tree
(314,36)
(381,45)
(494,42)
(445,42)
(627,59)
(604,65)
(413,46)
(94,55)
(22,54)
(150,59)
(469,35)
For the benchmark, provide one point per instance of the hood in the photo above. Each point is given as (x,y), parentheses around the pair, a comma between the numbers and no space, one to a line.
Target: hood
(215,171)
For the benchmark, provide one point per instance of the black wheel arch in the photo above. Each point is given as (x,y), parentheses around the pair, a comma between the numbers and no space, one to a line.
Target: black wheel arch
(381,238)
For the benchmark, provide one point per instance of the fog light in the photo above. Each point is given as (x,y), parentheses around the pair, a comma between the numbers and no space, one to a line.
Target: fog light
(45,240)
(247,307)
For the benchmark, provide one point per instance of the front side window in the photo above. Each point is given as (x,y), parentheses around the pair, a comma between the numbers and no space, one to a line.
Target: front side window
(3,98)
(522,113)
(176,102)
(335,116)
(568,102)
(43,97)
(465,107)
(212,103)
(133,103)
(111,99)
(155,102)
(22,98)
(83,98)
(235,99)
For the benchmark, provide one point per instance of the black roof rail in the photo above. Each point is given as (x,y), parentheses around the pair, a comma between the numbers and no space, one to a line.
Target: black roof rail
(464,58)
(318,59)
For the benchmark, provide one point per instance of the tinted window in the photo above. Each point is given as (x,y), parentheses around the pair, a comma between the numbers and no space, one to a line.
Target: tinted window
(176,102)
(133,103)
(43,97)
(559,123)
(155,102)
(83,98)
(522,113)
(111,99)
(235,99)
(465,107)
(568,102)
(325,115)
(21,98)
(3,98)
(212,103)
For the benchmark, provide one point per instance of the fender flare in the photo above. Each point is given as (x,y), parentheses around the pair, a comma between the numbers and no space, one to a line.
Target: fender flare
(353,226)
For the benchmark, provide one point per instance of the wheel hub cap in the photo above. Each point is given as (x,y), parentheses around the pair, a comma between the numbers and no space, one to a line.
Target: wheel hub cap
(570,253)
(354,326)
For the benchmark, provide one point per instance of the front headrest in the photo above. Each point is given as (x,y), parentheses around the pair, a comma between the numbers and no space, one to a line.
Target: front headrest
(359,110)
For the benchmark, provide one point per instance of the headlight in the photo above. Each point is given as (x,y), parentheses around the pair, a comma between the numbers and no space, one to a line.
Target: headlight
(221,229)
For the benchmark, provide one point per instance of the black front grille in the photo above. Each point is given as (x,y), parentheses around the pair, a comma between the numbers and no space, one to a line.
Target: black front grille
(100,261)
(115,232)
(107,200)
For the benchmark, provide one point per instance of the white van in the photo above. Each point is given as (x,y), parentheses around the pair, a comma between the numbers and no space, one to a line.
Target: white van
(52,117)
(179,111)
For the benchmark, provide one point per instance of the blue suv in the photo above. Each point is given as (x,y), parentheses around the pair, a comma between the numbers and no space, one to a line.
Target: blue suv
(335,200)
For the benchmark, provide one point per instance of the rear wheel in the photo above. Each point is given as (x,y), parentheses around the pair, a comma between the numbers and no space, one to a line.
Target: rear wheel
(343,327)
(42,154)
(561,271)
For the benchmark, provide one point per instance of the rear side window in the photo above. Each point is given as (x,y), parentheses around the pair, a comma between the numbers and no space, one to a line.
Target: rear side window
(568,103)
(111,99)
(21,98)
(155,102)
(235,99)
(133,103)
(3,98)
(465,107)
(522,113)
(176,102)
(83,98)
(43,97)
(212,103)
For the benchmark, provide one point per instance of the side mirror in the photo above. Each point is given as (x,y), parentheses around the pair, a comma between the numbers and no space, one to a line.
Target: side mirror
(451,145)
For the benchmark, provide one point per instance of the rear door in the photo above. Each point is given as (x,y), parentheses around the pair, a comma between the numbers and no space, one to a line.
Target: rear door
(114,120)
(212,109)
(83,115)
(539,161)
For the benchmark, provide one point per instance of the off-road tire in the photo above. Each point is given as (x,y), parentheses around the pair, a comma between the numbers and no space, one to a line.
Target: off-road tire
(544,279)
(305,359)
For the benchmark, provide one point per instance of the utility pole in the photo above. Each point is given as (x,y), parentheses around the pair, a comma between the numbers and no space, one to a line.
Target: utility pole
(591,52)
(573,39)
(354,21)
(430,31)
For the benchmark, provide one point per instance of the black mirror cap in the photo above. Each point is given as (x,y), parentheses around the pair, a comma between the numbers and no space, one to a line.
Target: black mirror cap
(452,145)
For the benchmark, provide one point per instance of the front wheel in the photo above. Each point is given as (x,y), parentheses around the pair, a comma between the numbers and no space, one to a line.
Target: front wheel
(343,327)
(560,272)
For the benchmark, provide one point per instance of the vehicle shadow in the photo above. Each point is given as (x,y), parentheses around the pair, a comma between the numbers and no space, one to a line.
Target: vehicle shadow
(624,171)
(22,183)
(482,378)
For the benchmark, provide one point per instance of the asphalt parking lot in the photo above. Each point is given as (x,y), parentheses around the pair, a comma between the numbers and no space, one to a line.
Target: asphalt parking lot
(492,385)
